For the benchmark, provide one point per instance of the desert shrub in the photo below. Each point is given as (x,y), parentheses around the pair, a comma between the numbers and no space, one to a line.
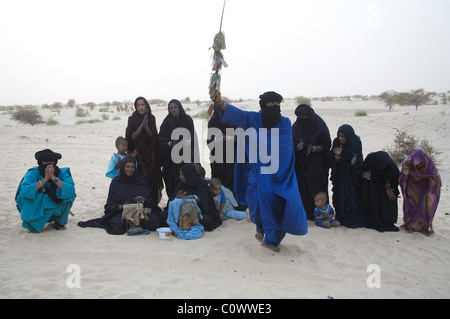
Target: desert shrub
(51,122)
(405,144)
(116,118)
(202,115)
(361,113)
(303,100)
(88,122)
(79,112)
(27,115)
(105,117)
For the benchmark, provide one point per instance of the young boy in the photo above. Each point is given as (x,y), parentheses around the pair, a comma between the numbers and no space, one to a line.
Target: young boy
(114,163)
(223,204)
(324,213)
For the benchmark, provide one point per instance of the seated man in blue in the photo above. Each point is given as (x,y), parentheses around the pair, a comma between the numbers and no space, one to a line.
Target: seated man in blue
(45,194)
(265,182)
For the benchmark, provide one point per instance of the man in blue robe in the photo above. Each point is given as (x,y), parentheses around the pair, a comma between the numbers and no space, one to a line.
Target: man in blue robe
(45,194)
(269,188)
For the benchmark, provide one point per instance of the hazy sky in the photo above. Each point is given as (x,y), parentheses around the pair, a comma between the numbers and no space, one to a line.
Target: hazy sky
(105,50)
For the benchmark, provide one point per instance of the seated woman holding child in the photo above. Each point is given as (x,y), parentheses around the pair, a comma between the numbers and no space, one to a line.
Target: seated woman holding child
(130,187)
(191,183)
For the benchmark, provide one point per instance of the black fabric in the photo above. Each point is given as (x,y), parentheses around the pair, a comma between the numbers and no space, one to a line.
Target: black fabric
(270,115)
(311,168)
(195,185)
(380,213)
(47,155)
(170,170)
(223,171)
(346,179)
(149,161)
(123,190)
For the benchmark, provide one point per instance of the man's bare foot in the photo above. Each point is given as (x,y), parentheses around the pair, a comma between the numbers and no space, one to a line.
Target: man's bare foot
(271,247)
(260,237)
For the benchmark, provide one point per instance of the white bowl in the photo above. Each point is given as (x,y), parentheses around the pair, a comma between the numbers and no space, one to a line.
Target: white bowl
(164,232)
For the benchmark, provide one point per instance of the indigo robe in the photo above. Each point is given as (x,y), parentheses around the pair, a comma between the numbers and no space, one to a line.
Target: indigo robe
(37,208)
(346,179)
(148,154)
(311,168)
(195,185)
(273,200)
(171,170)
(380,212)
(123,190)
(223,171)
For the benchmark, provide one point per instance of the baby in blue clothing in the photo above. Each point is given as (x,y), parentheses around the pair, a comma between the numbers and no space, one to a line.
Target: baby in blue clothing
(324,213)
(223,203)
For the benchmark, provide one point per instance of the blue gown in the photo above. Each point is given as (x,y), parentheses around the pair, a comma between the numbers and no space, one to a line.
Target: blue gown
(273,199)
(36,209)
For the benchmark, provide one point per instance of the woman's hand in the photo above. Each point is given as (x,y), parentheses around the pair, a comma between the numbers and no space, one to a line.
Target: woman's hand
(180,194)
(217,99)
(353,161)
(390,194)
(405,170)
(50,172)
(338,151)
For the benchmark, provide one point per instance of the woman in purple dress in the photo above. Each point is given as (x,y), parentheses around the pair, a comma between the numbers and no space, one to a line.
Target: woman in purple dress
(420,183)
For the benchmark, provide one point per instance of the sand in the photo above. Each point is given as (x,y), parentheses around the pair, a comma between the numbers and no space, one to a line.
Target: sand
(225,263)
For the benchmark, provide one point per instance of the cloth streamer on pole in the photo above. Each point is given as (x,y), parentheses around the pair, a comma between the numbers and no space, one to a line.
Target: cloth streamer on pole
(217,59)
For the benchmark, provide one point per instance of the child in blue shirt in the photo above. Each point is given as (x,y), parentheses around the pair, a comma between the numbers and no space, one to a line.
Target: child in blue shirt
(114,163)
(223,204)
(324,213)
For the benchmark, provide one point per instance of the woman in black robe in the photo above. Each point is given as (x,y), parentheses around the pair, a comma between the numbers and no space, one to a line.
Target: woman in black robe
(177,118)
(346,161)
(191,183)
(223,171)
(380,192)
(312,142)
(142,135)
(124,189)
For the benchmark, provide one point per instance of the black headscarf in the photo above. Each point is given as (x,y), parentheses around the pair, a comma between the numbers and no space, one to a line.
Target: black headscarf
(310,128)
(48,155)
(147,147)
(192,176)
(194,185)
(271,115)
(381,164)
(124,189)
(135,120)
(352,144)
(182,120)
(380,212)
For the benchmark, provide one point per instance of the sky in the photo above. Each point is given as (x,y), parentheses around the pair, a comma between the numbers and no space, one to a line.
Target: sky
(110,50)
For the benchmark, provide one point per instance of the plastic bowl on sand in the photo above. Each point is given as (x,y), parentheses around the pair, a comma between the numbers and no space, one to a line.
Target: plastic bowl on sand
(164,232)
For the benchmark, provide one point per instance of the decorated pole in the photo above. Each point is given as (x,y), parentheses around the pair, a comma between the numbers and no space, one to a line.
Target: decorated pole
(217,59)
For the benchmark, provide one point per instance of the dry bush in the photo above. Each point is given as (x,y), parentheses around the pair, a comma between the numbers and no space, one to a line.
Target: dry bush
(405,144)
(27,115)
